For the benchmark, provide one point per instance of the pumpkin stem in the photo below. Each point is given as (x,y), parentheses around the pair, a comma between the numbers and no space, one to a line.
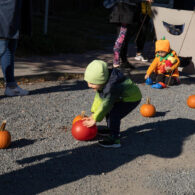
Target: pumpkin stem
(82,113)
(148,100)
(2,128)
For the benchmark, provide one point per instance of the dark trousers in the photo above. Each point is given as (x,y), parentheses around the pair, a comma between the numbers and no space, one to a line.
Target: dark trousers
(119,111)
(162,78)
(141,39)
(7,51)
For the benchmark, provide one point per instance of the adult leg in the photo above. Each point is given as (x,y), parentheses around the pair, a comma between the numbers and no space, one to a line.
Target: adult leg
(118,45)
(141,39)
(7,61)
(7,51)
(143,33)
(124,48)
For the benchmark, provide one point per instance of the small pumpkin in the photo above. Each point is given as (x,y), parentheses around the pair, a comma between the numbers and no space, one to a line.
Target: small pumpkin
(79,117)
(5,137)
(191,101)
(147,110)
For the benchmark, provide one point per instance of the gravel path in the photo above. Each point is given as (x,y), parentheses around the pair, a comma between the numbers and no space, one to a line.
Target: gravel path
(157,154)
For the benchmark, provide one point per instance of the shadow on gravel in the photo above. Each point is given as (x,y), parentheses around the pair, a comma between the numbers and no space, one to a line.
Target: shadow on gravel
(44,172)
(64,86)
(159,114)
(21,143)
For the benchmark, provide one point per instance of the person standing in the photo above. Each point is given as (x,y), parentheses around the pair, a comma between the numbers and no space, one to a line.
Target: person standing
(10,23)
(122,14)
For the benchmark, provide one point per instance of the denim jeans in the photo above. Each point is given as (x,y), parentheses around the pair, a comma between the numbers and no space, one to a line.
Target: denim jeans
(119,111)
(7,51)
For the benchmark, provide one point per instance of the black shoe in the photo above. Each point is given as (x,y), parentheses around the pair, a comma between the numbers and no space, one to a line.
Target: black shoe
(110,142)
(127,65)
(104,132)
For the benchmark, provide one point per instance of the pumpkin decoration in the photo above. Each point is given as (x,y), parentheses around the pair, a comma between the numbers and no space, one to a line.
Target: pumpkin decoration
(147,110)
(79,117)
(5,137)
(83,133)
(191,101)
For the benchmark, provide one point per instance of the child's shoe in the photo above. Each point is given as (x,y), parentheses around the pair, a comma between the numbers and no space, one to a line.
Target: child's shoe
(163,84)
(110,142)
(157,86)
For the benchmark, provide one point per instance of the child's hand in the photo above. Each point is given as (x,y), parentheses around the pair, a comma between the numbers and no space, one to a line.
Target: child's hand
(168,69)
(146,76)
(88,121)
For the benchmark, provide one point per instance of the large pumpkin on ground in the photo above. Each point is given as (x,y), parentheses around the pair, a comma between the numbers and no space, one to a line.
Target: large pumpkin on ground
(147,110)
(191,101)
(83,133)
(79,117)
(5,137)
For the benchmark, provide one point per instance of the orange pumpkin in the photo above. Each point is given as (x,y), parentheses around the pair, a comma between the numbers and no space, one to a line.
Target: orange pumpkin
(79,117)
(5,137)
(147,110)
(191,101)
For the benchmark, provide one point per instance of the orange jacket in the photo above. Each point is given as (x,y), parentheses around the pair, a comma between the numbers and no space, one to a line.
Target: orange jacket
(156,64)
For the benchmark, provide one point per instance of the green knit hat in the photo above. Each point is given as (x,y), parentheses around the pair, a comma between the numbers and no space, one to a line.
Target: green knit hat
(97,72)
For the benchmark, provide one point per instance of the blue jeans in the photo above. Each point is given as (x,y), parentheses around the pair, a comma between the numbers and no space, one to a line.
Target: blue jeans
(7,51)
(119,111)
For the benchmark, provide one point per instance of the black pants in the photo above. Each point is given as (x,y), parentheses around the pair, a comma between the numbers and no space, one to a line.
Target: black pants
(141,39)
(132,31)
(162,78)
(119,111)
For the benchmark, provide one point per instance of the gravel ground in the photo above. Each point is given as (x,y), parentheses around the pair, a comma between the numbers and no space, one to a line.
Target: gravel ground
(157,154)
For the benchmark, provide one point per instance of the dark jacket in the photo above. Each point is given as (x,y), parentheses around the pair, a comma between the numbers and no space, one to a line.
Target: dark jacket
(10,17)
(123,11)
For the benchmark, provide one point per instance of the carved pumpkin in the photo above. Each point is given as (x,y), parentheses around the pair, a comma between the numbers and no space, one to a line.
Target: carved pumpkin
(147,110)
(79,117)
(191,101)
(5,137)
(83,133)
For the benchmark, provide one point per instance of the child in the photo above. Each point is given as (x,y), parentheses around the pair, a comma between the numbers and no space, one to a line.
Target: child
(164,66)
(115,97)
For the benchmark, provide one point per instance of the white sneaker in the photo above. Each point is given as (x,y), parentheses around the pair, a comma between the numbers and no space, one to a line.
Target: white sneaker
(140,58)
(17,91)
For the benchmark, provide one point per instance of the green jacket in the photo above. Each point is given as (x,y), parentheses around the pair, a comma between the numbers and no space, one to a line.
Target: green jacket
(118,88)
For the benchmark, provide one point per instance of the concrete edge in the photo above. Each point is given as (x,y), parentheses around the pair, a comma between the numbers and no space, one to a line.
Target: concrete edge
(54,76)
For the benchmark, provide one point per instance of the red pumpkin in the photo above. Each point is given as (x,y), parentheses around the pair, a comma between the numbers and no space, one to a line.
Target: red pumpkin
(79,117)
(191,101)
(5,137)
(147,110)
(83,133)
